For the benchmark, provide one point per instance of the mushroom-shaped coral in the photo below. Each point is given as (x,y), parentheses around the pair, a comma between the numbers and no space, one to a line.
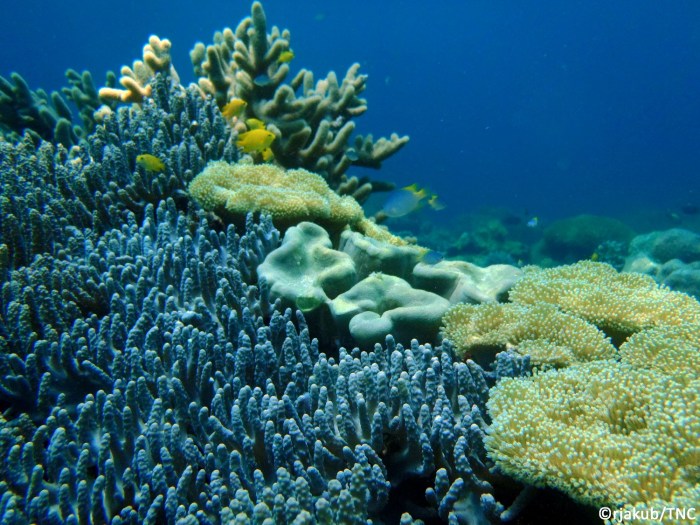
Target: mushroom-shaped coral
(620,304)
(305,271)
(290,196)
(608,432)
(383,304)
(549,336)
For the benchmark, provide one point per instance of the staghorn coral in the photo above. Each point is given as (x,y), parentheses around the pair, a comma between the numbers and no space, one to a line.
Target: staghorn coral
(172,391)
(37,113)
(620,304)
(137,80)
(47,191)
(616,433)
(313,127)
(549,336)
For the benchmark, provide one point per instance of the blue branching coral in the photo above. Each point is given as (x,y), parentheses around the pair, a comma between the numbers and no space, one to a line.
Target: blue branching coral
(146,377)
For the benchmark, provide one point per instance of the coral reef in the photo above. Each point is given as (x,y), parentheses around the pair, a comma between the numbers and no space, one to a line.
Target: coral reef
(138,79)
(617,433)
(290,196)
(41,115)
(47,191)
(608,422)
(312,120)
(463,282)
(385,304)
(146,376)
(671,257)
(163,395)
(305,271)
(575,238)
(365,288)
(620,304)
(550,337)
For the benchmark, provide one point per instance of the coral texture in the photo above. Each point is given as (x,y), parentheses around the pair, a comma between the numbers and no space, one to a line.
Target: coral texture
(290,196)
(608,432)
(620,304)
(147,377)
(312,120)
(608,422)
(549,336)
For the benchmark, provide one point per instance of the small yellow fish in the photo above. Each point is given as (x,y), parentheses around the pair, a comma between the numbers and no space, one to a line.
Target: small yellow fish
(150,162)
(595,256)
(286,56)
(254,123)
(234,108)
(255,140)
(267,154)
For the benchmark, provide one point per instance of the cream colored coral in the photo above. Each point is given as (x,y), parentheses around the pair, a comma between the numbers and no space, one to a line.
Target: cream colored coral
(137,79)
(608,432)
(549,336)
(620,304)
(290,196)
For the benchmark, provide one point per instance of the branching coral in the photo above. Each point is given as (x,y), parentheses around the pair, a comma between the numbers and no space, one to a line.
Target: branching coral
(313,127)
(138,79)
(44,116)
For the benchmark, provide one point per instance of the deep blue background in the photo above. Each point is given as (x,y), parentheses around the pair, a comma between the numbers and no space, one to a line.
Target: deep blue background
(551,107)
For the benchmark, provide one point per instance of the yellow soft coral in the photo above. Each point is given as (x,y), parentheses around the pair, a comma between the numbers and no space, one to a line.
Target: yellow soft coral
(290,196)
(608,432)
(548,335)
(620,304)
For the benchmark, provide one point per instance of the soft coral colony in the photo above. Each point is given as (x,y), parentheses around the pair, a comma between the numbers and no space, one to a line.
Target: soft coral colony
(150,371)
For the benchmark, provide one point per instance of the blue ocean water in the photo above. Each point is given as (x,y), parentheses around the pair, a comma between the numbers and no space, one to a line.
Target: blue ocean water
(550,108)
